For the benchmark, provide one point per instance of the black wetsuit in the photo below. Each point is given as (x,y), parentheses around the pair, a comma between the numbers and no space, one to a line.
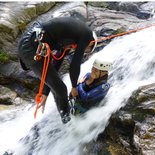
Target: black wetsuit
(59,32)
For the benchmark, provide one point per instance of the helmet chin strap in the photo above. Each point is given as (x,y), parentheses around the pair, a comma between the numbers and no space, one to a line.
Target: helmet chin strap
(102,74)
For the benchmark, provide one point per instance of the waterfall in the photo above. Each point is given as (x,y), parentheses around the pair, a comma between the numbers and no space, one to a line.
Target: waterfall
(133,58)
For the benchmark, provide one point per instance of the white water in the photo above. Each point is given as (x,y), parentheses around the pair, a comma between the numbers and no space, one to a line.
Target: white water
(133,59)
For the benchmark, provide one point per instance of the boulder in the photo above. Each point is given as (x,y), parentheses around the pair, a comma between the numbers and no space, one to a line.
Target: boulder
(7,96)
(73,9)
(25,83)
(131,129)
(14,17)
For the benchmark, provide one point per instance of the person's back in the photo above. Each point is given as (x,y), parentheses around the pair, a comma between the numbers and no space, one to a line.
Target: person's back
(67,30)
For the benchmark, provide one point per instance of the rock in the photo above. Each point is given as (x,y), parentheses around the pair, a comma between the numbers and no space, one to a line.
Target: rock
(14,17)
(26,84)
(132,127)
(7,96)
(144,15)
(124,6)
(18,101)
(74,9)
(137,9)
(98,4)
(148,7)
(110,19)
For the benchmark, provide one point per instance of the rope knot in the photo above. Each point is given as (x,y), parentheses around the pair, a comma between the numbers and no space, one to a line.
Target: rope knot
(39,98)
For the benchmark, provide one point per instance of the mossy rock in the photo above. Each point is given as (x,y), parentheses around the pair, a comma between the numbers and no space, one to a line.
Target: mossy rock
(6,107)
(119,30)
(4,57)
(44,7)
(116,149)
(7,96)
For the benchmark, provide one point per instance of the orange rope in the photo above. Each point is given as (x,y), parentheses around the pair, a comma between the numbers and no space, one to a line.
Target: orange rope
(74,46)
(39,96)
(120,34)
(45,68)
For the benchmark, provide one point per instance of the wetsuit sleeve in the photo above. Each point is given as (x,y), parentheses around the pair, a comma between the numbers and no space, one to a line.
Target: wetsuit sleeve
(95,94)
(76,61)
(46,90)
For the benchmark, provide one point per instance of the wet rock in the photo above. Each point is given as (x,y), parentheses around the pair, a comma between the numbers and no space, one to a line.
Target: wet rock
(144,137)
(110,19)
(14,17)
(132,128)
(7,96)
(74,9)
(142,10)
(25,84)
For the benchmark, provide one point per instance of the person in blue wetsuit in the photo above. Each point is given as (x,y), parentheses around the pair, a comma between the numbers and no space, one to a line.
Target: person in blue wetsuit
(94,86)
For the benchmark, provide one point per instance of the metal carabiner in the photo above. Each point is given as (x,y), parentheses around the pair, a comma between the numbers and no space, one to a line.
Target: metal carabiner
(72,106)
(39,33)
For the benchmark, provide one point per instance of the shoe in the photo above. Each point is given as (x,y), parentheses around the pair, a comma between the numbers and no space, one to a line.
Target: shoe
(65,117)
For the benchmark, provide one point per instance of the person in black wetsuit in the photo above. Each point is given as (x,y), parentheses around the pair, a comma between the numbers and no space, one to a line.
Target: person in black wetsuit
(58,33)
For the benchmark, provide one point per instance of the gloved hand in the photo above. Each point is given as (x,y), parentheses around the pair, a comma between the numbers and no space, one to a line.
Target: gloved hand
(74,92)
(81,80)
(43,102)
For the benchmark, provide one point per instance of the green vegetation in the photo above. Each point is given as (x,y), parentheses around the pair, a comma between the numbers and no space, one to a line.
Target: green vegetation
(4,57)
(118,31)
(22,26)
(117,150)
(6,107)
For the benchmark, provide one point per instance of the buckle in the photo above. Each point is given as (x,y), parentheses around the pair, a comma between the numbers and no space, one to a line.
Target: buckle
(39,33)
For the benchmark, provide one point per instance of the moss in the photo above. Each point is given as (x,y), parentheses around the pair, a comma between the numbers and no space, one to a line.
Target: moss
(22,26)
(116,150)
(118,31)
(148,136)
(6,107)
(4,57)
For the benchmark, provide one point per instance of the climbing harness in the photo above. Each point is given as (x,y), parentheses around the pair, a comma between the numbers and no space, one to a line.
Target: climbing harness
(75,106)
(44,50)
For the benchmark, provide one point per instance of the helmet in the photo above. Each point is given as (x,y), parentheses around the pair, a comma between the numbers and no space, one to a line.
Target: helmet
(102,65)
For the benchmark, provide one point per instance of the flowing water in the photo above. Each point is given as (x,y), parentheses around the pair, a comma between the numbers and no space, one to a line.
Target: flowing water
(133,59)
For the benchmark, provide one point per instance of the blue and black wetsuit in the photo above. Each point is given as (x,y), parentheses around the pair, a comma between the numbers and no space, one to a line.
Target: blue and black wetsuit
(94,93)
(59,32)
